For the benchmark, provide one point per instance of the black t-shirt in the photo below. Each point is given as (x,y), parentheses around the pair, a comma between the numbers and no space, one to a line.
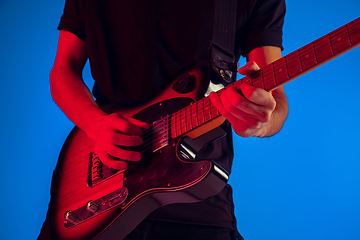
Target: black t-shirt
(121,45)
(132,56)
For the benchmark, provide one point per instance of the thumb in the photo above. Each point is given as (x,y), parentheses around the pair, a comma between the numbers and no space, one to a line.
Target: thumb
(248,68)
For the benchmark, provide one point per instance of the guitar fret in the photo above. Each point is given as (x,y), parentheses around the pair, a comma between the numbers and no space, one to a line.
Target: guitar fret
(257,79)
(273,73)
(202,111)
(188,118)
(194,115)
(347,31)
(182,121)
(207,109)
(214,111)
(280,69)
(249,80)
(354,32)
(177,120)
(307,56)
(293,63)
(340,40)
(173,126)
(269,77)
(323,49)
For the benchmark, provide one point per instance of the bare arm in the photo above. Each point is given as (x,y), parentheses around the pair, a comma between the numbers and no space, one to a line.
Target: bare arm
(257,112)
(67,87)
(74,98)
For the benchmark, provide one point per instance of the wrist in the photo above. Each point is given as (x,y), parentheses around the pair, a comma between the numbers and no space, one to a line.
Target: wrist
(262,132)
(92,119)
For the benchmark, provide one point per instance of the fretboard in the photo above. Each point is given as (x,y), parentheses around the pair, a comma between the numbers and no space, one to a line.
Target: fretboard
(274,75)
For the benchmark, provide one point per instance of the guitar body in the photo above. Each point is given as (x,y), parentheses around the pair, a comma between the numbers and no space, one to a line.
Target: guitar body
(102,201)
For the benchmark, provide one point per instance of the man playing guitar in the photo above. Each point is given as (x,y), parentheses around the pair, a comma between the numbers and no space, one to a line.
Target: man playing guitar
(113,36)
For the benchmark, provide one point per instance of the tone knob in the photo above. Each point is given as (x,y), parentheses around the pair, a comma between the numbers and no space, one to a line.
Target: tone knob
(71,217)
(91,206)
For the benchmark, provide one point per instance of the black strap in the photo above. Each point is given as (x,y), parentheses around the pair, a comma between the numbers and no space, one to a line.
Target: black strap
(152,33)
(223,41)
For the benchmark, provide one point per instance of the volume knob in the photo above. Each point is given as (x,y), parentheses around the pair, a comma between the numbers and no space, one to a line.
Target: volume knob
(91,206)
(71,217)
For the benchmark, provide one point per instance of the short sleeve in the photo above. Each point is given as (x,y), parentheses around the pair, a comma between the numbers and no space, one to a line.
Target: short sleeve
(73,18)
(264,25)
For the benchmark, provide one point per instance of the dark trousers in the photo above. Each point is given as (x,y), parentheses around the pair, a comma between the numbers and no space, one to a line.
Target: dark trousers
(156,230)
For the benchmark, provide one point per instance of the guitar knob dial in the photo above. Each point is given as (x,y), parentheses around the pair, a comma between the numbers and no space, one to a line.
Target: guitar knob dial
(71,217)
(91,206)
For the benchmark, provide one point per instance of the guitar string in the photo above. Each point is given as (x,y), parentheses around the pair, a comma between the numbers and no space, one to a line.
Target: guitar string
(294,62)
(307,49)
(148,139)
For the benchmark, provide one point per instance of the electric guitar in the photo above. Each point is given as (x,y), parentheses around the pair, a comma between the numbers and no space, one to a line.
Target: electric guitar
(92,201)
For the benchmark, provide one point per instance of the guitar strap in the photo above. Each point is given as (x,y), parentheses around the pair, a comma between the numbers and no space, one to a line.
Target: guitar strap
(223,40)
(222,46)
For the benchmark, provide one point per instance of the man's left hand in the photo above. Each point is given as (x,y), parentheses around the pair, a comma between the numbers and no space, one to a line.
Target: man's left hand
(247,108)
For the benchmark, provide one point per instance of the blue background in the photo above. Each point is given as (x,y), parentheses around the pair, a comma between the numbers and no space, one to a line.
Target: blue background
(303,183)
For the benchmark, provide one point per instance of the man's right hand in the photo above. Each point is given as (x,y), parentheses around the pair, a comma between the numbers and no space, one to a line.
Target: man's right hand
(111,134)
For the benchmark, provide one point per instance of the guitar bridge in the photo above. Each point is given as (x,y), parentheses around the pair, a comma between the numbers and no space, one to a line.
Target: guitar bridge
(98,172)
(160,134)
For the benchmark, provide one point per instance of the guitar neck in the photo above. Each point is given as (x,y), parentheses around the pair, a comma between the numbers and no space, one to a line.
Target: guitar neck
(306,58)
(275,74)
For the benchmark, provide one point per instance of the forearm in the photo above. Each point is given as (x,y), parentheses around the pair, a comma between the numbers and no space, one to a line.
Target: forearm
(74,98)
